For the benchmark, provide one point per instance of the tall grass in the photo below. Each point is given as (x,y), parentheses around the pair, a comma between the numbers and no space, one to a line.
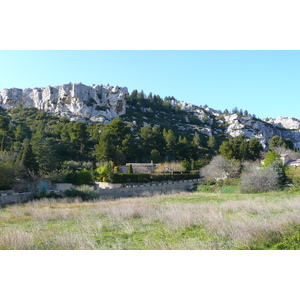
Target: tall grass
(159,222)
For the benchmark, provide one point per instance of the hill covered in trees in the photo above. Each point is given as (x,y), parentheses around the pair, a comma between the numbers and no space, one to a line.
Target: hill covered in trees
(33,141)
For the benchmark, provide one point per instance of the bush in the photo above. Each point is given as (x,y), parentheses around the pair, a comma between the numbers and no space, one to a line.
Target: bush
(205,189)
(84,177)
(259,180)
(293,174)
(221,168)
(291,239)
(79,177)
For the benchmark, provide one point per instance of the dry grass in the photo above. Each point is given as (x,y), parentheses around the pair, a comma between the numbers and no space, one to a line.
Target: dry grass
(147,223)
(16,239)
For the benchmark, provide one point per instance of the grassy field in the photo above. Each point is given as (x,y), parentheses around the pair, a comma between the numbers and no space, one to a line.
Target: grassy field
(205,219)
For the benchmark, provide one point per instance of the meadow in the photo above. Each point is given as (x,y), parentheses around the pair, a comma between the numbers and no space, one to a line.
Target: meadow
(206,219)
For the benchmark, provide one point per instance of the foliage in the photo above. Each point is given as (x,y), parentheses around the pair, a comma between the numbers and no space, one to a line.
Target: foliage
(240,148)
(84,177)
(104,170)
(293,174)
(270,158)
(291,238)
(277,141)
(130,170)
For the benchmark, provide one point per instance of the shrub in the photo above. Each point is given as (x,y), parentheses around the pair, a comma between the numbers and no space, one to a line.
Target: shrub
(270,158)
(259,180)
(205,189)
(221,168)
(84,177)
(293,174)
(291,239)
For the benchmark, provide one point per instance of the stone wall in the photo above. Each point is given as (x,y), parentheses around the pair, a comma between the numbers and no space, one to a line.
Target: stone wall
(148,189)
(14,198)
(114,191)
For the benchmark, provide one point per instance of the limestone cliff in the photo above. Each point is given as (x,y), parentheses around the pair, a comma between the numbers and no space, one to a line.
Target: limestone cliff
(76,101)
(286,122)
(263,131)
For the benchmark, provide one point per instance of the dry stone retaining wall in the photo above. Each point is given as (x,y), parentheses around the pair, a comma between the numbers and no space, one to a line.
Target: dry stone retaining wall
(148,189)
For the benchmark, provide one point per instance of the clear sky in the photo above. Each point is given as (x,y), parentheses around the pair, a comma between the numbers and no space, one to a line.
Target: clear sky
(266,83)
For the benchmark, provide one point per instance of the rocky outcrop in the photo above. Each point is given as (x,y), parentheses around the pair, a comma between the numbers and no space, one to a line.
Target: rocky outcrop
(286,122)
(96,103)
(263,131)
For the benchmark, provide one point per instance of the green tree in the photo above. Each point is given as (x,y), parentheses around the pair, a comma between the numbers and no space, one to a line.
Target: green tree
(105,149)
(78,135)
(43,150)
(155,156)
(20,133)
(84,177)
(110,144)
(270,158)
(27,157)
(170,140)
(211,143)
(226,150)
(254,148)
(196,140)
(276,141)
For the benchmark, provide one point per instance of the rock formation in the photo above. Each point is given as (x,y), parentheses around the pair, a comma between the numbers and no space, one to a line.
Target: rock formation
(263,131)
(286,122)
(96,103)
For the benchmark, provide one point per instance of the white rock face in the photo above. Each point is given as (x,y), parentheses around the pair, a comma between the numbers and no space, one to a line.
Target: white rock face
(95,103)
(286,122)
(252,127)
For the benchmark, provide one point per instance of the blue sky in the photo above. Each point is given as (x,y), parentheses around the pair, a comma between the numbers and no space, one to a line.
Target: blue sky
(266,83)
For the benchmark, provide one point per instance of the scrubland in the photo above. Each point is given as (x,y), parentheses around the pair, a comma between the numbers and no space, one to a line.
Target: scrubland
(195,221)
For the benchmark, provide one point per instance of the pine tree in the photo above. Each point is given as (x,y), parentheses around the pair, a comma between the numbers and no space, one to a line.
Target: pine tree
(27,157)
(211,142)
(196,140)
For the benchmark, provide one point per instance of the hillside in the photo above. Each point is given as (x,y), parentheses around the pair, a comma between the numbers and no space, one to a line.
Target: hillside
(101,104)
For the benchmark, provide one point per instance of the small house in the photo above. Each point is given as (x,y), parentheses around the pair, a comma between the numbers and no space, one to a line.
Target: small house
(287,161)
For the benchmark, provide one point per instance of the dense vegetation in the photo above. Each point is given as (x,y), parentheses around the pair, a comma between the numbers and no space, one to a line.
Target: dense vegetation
(34,143)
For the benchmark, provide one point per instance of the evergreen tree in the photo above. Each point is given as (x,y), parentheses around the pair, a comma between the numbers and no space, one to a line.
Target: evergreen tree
(43,150)
(27,157)
(254,148)
(20,133)
(170,139)
(276,141)
(196,140)
(211,143)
